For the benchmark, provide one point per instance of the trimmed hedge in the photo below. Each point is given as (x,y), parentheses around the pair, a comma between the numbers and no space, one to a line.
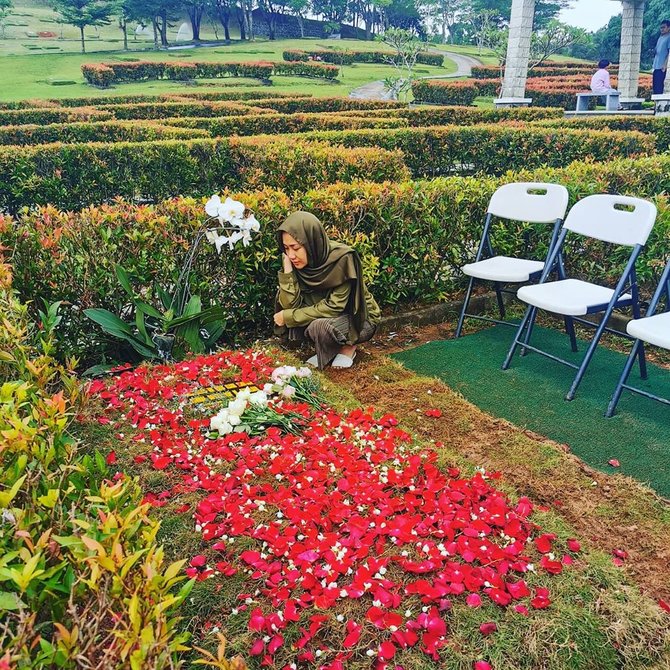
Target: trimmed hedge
(440,92)
(413,237)
(547,70)
(106,74)
(271,124)
(347,56)
(105,131)
(461,116)
(164,110)
(292,104)
(658,127)
(492,149)
(14,117)
(74,175)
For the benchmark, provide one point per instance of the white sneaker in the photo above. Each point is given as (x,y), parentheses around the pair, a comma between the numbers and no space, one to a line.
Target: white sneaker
(342,361)
(313,361)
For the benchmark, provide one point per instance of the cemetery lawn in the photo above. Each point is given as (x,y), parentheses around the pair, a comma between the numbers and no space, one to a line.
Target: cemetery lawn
(35,76)
(603,611)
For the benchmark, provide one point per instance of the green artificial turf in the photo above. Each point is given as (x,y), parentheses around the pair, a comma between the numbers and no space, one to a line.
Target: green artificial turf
(531,394)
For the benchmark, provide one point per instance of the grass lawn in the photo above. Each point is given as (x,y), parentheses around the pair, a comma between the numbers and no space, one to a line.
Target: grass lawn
(27,76)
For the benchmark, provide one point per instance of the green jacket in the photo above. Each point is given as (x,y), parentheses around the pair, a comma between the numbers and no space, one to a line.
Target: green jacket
(301,308)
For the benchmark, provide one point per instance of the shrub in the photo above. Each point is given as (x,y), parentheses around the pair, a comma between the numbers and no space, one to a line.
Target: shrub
(104,131)
(461,116)
(440,92)
(161,110)
(347,57)
(292,104)
(545,70)
(658,127)
(52,115)
(416,234)
(105,74)
(75,175)
(283,123)
(491,149)
(77,544)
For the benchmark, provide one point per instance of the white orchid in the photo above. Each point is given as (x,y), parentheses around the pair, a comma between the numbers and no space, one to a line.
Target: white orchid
(230,214)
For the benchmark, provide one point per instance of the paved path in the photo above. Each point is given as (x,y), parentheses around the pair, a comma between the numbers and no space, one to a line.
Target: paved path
(376,90)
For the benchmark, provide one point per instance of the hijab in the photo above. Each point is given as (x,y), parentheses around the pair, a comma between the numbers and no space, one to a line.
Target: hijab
(329,264)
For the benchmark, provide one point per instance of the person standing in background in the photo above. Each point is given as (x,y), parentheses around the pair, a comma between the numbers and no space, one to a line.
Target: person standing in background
(661,58)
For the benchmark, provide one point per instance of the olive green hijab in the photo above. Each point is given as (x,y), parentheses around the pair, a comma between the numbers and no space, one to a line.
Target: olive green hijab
(329,264)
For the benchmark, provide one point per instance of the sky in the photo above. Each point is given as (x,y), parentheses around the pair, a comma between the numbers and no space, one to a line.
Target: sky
(590,14)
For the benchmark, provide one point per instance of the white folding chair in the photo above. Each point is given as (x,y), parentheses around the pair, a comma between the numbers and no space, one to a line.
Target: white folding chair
(529,202)
(654,328)
(615,219)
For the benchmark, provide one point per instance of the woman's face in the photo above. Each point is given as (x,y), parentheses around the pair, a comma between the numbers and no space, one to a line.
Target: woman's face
(296,253)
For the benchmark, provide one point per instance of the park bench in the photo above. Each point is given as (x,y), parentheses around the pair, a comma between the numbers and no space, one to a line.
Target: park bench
(611,100)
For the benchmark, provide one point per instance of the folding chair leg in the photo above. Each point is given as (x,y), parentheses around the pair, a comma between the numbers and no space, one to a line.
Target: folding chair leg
(611,408)
(466,302)
(517,341)
(529,332)
(589,355)
(570,330)
(499,298)
(643,363)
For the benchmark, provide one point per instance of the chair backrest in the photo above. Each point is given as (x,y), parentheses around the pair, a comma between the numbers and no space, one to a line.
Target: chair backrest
(618,219)
(534,202)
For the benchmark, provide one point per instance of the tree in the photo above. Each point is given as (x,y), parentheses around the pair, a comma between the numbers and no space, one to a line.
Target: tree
(129,10)
(299,9)
(6,7)
(545,10)
(406,48)
(555,38)
(445,14)
(82,13)
(196,10)
(223,10)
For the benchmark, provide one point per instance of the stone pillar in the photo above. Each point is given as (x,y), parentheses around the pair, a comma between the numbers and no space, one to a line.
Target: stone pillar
(518,53)
(631,45)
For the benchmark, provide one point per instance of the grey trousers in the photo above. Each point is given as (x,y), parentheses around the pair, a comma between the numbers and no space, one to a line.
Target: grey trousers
(330,335)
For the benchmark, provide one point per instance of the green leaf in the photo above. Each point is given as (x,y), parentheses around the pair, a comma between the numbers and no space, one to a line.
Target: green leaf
(114,326)
(10,601)
(124,279)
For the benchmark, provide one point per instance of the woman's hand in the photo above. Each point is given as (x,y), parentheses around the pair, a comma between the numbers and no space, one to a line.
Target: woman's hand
(288,266)
(279,319)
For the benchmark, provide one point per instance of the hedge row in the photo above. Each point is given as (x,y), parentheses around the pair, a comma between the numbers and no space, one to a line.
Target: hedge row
(271,124)
(292,104)
(164,110)
(106,74)
(347,56)
(492,149)
(74,175)
(135,98)
(413,237)
(12,117)
(105,131)
(558,69)
(658,127)
(440,92)
(461,116)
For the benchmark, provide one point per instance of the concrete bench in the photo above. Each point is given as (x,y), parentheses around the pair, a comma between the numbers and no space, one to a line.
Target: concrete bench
(611,100)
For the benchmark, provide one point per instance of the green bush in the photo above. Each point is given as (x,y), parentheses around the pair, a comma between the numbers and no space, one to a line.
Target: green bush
(491,149)
(293,104)
(347,56)
(546,70)
(76,543)
(106,74)
(440,92)
(75,175)
(283,123)
(658,127)
(162,110)
(460,116)
(416,234)
(104,131)
(45,115)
